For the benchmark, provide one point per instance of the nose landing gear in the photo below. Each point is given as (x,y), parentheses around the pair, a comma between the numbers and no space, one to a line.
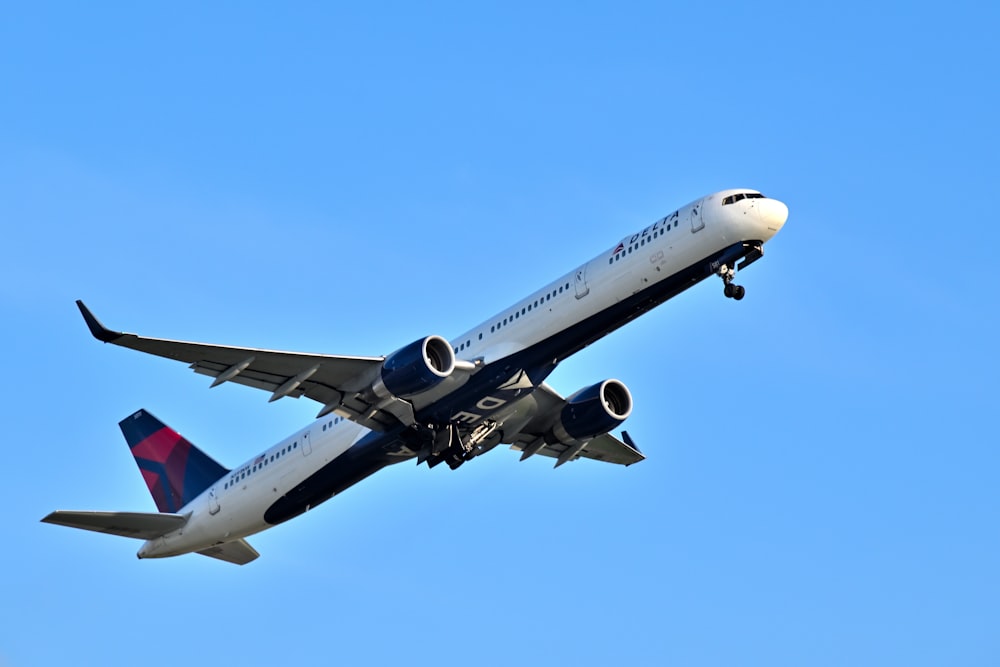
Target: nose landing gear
(731,289)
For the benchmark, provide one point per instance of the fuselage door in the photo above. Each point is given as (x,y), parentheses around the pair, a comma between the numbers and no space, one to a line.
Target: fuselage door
(306,445)
(697,222)
(582,288)
(213,502)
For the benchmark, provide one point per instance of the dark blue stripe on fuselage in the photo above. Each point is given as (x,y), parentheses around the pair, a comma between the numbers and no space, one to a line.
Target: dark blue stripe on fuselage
(367,456)
(372,453)
(539,360)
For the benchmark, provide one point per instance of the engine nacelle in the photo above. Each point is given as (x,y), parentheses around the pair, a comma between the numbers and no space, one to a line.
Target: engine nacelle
(416,368)
(593,411)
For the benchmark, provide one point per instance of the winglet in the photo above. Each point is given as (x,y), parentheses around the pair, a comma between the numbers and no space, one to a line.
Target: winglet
(628,441)
(631,443)
(99,331)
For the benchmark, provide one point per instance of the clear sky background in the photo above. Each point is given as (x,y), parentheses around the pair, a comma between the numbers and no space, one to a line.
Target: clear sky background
(821,482)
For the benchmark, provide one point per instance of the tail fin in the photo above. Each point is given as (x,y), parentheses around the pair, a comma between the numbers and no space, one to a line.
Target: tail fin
(175,471)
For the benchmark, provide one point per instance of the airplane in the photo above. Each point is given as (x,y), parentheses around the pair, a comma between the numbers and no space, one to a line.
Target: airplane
(433,400)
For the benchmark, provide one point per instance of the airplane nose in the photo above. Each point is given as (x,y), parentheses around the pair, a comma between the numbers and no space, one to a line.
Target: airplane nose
(773,214)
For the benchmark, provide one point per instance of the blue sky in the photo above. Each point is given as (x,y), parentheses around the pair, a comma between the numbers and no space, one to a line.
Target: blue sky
(821,482)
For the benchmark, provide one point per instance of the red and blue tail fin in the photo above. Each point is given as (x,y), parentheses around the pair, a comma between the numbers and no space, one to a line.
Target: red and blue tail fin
(175,471)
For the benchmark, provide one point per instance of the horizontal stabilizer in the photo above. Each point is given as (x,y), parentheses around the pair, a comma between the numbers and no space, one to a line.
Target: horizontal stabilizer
(140,525)
(238,552)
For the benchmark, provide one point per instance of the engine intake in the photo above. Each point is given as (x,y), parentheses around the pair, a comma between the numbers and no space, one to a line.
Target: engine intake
(593,411)
(415,368)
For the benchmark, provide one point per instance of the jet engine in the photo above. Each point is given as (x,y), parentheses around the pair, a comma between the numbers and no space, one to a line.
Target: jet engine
(415,368)
(593,411)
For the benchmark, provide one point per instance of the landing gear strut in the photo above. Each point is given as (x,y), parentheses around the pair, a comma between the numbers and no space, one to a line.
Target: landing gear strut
(731,289)
(447,444)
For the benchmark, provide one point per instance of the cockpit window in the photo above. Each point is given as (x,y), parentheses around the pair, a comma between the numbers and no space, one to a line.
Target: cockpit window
(732,199)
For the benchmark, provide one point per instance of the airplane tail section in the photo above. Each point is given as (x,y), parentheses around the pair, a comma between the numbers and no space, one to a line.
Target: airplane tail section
(175,471)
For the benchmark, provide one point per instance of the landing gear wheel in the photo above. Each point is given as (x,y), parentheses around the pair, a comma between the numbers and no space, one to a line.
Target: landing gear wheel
(731,289)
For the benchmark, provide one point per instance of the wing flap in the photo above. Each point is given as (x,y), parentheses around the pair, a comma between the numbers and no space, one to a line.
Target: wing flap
(605,448)
(139,525)
(238,552)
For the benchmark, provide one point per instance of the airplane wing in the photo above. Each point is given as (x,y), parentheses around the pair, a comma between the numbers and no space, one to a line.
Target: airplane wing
(140,525)
(531,439)
(238,552)
(334,381)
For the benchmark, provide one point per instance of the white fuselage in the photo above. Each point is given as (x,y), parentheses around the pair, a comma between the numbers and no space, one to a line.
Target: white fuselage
(234,507)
